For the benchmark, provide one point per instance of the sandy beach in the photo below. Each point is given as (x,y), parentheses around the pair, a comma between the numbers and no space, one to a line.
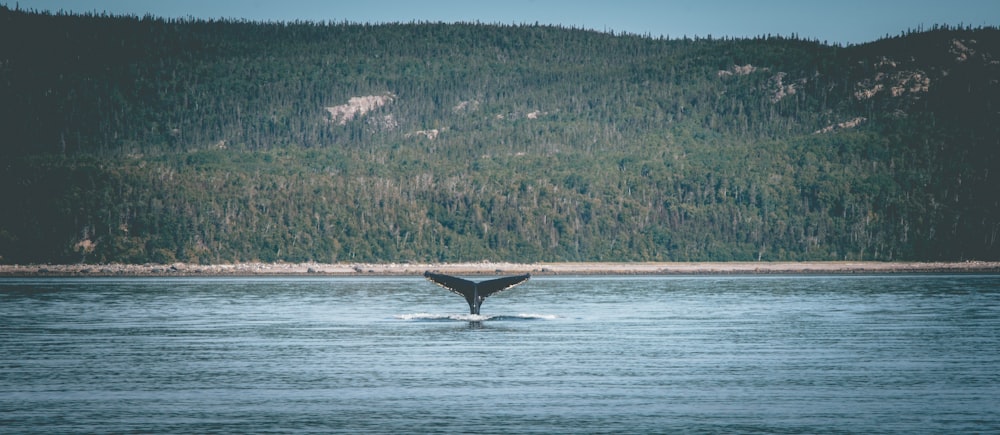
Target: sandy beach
(495,268)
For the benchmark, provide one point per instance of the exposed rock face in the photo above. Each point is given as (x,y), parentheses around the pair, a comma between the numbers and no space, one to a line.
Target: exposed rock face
(387,122)
(897,82)
(358,106)
(777,85)
(738,70)
(781,89)
(961,51)
(846,124)
(466,106)
(429,134)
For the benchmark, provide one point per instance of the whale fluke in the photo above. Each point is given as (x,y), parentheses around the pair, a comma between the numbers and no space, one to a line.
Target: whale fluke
(475,292)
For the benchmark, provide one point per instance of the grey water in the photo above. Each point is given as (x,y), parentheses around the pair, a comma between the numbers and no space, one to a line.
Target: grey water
(889,354)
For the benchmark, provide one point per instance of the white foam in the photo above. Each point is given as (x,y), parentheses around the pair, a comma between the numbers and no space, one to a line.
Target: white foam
(474,317)
(537,316)
(471,317)
(421,316)
(431,316)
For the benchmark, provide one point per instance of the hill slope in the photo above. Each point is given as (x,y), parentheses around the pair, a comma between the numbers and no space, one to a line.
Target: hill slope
(147,140)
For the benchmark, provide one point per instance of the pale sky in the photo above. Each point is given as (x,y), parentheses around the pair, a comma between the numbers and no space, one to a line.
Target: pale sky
(836,21)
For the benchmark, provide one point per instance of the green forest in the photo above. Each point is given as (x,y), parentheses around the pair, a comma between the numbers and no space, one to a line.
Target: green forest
(149,140)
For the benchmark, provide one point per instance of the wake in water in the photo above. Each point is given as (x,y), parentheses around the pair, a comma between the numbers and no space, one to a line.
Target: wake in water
(473,317)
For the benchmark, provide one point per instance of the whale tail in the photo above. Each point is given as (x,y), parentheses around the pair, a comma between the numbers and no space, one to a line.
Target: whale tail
(475,292)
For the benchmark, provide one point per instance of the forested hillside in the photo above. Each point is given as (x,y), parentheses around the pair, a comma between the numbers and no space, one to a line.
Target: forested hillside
(128,139)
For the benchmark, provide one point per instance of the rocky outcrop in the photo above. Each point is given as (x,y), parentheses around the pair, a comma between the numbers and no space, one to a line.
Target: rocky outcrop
(429,134)
(898,83)
(777,85)
(737,70)
(466,106)
(840,126)
(358,106)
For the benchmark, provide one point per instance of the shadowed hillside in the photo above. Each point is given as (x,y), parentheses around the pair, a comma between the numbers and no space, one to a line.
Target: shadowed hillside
(127,139)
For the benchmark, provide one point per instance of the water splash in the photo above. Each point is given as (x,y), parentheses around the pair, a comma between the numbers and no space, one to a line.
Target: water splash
(474,317)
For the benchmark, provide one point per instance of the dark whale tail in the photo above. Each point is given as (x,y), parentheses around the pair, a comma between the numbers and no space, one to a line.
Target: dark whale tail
(475,292)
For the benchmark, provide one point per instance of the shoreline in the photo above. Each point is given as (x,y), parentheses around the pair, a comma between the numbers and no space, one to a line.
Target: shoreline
(496,268)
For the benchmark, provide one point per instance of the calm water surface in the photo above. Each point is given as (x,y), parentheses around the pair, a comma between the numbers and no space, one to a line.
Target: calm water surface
(912,353)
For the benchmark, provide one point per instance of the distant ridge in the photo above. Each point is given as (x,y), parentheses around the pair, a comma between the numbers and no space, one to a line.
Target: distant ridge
(144,140)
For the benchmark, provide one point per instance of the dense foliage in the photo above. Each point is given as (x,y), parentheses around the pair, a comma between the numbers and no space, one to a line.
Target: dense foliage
(127,139)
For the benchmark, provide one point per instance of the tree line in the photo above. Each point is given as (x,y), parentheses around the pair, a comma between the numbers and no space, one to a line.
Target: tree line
(141,139)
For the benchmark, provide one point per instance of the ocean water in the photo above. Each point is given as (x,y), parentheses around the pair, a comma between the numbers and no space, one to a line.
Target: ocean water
(896,354)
